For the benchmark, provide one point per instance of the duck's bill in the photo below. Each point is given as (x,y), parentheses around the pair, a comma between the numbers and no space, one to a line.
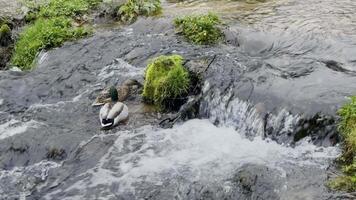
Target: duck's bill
(97,104)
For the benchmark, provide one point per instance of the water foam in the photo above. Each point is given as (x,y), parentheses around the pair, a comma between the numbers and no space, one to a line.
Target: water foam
(15,127)
(196,150)
(18,182)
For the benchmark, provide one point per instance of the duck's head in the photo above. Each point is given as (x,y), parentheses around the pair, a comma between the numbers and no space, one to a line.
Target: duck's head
(107,96)
(114,96)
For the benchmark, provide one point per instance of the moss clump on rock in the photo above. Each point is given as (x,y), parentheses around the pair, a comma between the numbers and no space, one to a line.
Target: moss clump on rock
(43,34)
(134,8)
(200,29)
(347,127)
(5,35)
(166,80)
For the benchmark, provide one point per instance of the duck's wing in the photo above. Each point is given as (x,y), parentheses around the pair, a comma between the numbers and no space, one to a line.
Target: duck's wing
(115,110)
(123,92)
(123,116)
(104,112)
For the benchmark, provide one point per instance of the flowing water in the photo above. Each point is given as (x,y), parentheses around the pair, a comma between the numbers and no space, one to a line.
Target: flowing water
(265,127)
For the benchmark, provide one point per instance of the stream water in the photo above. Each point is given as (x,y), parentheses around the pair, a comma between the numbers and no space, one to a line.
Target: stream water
(265,128)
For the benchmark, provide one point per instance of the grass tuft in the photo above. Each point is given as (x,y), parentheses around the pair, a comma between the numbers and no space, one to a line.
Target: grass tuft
(165,80)
(200,29)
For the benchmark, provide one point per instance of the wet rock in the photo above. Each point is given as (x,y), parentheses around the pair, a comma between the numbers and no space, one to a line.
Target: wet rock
(258,182)
(5,56)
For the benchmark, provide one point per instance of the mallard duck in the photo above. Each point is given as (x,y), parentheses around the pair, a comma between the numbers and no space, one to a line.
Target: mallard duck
(114,112)
(128,87)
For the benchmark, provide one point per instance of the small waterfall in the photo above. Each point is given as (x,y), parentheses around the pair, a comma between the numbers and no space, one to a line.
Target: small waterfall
(224,108)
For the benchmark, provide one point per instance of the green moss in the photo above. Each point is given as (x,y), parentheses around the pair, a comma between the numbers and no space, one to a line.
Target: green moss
(5,35)
(165,80)
(52,26)
(201,29)
(4,31)
(43,34)
(347,128)
(56,8)
(69,8)
(134,8)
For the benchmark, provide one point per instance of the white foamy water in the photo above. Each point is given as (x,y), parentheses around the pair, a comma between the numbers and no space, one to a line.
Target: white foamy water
(119,68)
(18,182)
(194,151)
(14,127)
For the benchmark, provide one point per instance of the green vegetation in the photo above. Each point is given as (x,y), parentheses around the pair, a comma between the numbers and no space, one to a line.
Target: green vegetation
(69,8)
(165,80)
(56,8)
(43,34)
(52,26)
(134,8)
(201,29)
(347,127)
(5,34)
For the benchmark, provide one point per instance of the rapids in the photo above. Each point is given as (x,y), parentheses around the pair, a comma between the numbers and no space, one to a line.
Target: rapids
(266,125)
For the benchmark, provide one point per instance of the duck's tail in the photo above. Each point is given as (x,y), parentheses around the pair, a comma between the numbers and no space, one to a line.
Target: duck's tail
(107,123)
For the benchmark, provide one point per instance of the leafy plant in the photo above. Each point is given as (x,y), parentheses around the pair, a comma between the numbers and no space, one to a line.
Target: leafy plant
(134,8)
(165,80)
(43,34)
(200,29)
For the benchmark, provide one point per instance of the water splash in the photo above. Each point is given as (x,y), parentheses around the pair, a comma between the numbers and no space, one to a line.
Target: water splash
(15,127)
(195,151)
(20,181)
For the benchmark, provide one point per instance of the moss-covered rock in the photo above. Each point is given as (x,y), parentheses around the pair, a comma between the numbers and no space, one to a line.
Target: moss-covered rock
(134,8)
(166,80)
(347,128)
(200,29)
(5,35)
